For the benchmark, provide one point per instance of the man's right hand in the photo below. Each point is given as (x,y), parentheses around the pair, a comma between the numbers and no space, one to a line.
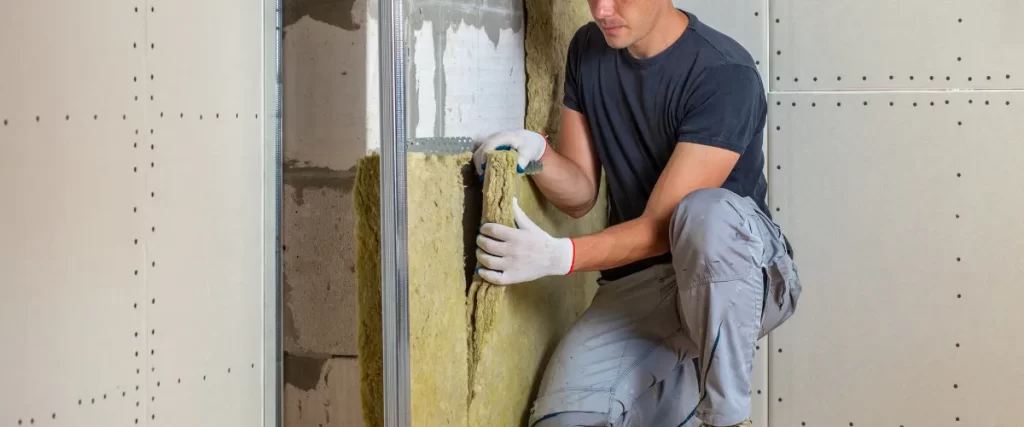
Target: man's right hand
(530,145)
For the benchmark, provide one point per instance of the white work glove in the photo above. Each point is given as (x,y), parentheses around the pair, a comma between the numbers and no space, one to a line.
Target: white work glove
(530,145)
(516,255)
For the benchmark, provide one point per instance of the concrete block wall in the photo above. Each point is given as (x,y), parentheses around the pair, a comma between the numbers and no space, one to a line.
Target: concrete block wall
(466,78)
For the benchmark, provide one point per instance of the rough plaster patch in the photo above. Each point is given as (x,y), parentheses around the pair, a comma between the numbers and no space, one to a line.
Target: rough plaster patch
(319,266)
(301,372)
(464,25)
(337,13)
(326,96)
(490,90)
(334,401)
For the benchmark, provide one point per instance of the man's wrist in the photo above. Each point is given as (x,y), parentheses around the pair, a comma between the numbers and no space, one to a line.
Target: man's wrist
(566,256)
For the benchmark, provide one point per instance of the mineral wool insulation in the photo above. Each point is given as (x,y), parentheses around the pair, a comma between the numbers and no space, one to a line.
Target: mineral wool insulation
(477,350)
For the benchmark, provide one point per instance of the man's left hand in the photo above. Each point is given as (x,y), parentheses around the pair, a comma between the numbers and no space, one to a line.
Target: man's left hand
(515,255)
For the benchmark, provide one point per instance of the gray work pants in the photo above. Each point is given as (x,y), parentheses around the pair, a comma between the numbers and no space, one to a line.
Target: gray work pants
(673,345)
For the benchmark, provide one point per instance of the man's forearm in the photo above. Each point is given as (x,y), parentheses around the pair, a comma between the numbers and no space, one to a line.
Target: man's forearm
(565,185)
(621,244)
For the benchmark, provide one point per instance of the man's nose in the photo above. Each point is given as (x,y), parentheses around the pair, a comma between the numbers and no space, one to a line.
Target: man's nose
(603,9)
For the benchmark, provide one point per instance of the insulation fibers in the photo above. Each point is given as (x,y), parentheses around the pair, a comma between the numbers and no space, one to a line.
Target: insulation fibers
(438,337)
(550,26)
(492,341)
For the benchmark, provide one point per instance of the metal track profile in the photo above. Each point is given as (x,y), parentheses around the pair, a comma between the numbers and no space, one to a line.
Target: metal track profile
(273,104)
(441,145)
(394,250)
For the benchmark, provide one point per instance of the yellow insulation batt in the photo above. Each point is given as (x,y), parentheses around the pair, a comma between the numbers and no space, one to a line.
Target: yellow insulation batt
(439,333)
(518,326)
(477,350)
(550,26)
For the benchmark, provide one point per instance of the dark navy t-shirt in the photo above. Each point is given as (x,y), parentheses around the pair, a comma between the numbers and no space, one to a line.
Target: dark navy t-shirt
(703,89)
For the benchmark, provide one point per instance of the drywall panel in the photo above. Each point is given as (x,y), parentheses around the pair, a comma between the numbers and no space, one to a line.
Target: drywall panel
(858,44)
(204,238)
(903,209)
(746,21)
(71,317)
(139,231)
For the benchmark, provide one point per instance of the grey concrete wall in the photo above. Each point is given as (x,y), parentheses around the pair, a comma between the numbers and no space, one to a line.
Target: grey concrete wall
(327,124)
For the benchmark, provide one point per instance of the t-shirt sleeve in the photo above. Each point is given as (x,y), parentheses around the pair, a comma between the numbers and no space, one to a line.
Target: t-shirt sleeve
(572,98)
(726,108)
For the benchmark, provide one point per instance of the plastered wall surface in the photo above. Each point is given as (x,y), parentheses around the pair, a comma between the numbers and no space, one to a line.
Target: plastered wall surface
(495,339)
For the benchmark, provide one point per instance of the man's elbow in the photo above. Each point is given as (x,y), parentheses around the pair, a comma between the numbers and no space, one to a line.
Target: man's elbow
(581,210)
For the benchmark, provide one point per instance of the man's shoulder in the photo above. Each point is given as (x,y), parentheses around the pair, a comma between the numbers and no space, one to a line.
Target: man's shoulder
(718,48)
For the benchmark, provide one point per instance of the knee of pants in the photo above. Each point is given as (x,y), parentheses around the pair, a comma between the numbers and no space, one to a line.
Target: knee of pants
(712,238)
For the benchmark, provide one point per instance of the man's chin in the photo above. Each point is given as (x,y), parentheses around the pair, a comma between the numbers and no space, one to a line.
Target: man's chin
(616,42)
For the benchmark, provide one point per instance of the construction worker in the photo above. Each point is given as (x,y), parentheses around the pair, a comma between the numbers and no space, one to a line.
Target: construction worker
(693,269)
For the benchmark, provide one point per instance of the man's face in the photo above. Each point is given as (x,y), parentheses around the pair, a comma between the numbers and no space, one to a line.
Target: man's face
(623,22)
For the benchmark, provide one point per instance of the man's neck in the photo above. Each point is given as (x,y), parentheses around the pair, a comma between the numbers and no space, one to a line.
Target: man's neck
(668,28)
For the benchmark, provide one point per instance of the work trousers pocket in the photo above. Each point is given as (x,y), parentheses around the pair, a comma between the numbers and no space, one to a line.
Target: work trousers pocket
(782,286)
